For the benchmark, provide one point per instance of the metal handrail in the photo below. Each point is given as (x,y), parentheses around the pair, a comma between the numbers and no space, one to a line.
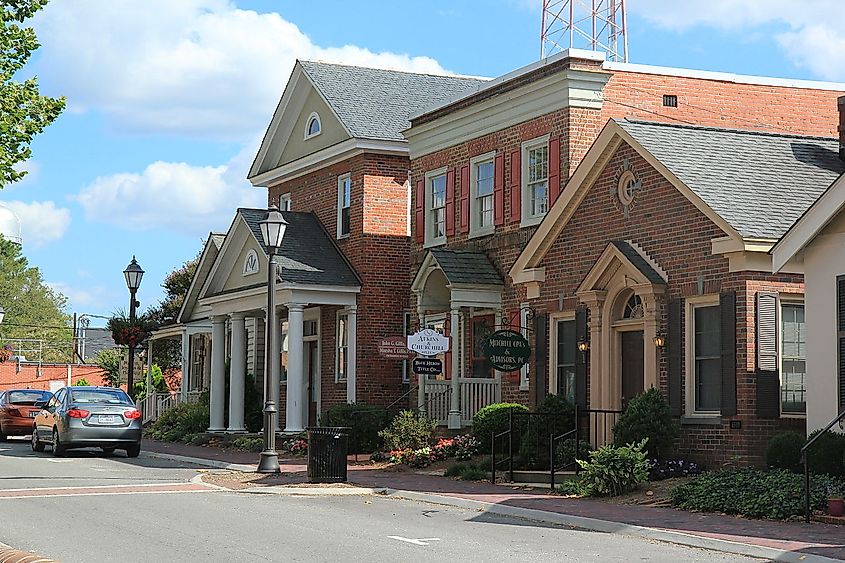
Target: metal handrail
(805,461)
(509,459)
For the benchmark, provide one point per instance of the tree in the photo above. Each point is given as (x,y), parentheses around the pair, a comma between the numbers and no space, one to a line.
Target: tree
(109,361)
(34,311)
(168,353)
(24,112)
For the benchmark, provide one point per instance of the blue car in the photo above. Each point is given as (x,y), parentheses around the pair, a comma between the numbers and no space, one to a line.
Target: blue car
(88,417)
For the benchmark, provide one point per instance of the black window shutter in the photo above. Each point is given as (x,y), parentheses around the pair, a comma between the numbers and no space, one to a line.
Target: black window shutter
(768,377)
(840,307)
(580,357)
(541,372)
(674,356)
(727,316)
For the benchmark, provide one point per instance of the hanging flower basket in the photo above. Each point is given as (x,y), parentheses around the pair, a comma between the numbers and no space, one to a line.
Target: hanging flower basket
(6,352)
(126,333)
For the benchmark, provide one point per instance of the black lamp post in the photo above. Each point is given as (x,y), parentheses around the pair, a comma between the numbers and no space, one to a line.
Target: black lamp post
(133,274)
(272,231)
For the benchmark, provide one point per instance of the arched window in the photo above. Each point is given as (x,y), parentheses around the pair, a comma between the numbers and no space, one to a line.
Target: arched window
(312,126)
(633,308)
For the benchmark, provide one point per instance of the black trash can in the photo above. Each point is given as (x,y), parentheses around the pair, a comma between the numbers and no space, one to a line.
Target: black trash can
(327,447)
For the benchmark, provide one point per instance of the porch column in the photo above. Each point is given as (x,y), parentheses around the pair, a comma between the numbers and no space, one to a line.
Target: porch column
(421,378)
(237,371)
(186,364)
(149,382)
(218,375)
(351,351)
(296,373)
(455,399)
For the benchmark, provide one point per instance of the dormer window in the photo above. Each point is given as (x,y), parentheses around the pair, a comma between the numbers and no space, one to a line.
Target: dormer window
(312,126)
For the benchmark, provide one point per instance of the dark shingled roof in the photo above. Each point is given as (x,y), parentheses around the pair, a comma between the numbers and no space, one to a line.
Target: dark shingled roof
(467,266)
(308,255)
(638,261)
(376,103)
(760,183)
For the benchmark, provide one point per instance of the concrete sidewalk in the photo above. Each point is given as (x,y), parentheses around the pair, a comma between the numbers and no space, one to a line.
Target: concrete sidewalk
(781,541)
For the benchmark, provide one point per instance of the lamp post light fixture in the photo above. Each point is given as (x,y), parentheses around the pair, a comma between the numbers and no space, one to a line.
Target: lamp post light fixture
(583,346)
(133,274)
(659,340)
(273,232)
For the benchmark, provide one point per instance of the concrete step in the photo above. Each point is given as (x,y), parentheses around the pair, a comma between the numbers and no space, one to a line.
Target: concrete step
(544,477)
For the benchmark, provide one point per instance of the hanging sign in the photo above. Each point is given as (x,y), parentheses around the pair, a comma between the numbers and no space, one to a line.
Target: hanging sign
(395,348)
(428,342)
(507,350)
(427,366)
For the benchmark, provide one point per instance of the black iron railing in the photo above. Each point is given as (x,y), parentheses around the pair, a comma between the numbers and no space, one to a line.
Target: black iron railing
(806,462)
(594,421)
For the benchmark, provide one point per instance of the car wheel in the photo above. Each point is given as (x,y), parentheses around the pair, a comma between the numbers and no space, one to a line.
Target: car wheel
(108,451)
(58,448)
(2,434)
(133,450)
(37,445)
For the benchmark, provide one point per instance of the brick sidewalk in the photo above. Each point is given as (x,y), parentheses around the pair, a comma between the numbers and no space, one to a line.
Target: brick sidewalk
(820,539)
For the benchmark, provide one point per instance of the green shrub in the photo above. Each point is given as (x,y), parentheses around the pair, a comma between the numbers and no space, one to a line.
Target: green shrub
(827,454)
(754,493)
(198,439)
(534,442)
(180,422)
(612,471)
(493,418)
(159,384)
(571,487)
(455,470)
(565,452)
(247,443)
(647,416)
(473,473)
(364,421)
(784,451)
(409,430)
(81,382)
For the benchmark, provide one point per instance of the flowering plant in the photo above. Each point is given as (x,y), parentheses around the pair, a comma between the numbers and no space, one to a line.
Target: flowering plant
(673,468)
(129,333)
(5,352)
(298,446)
(461,448)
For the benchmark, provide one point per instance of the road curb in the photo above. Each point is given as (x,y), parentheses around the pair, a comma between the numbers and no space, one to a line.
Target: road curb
(11,555)
(314,491)
(203,462)
(607,526)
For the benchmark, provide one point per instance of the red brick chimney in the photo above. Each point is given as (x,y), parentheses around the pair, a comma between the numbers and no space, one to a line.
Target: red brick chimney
(842,127)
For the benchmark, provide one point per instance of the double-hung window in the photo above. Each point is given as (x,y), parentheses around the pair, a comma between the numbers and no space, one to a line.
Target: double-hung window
(535,179)
(481,193)
(435,200)
(565,359)
(706,358)
(793,359)
(344,202)
(341,355)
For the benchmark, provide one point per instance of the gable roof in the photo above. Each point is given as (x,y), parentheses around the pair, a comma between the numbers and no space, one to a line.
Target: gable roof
(760,183)
(210,250)
(637,261)
(466,267)
(376,103)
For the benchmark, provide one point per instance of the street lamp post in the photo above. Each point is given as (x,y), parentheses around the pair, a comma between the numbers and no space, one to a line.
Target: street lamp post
(133,274)
(272,231)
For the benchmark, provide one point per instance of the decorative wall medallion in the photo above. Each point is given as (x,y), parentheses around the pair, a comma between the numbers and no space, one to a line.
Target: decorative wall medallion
(251,263)
(624,191)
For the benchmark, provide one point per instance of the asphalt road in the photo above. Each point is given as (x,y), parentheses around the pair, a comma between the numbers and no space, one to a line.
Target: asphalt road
(93,508)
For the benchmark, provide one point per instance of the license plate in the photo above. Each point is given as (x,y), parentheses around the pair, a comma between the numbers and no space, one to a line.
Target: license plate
(33,414)
(106,419)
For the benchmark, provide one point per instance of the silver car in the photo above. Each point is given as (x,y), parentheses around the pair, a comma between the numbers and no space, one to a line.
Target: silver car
(88,417)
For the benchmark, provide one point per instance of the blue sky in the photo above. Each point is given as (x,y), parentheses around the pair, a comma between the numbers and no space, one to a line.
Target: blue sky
(167,101)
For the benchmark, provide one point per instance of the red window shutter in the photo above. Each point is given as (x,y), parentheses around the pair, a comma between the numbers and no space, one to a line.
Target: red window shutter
(419,211)
(499,190)
(450,202)
(465,199)
(515,186)
(554,170)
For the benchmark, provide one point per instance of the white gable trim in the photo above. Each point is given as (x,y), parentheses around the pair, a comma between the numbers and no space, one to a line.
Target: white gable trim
(237,235)
(192,296)
(810,224)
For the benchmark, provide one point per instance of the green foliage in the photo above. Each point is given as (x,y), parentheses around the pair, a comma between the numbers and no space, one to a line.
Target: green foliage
(168,353)
(199,440)
(784,451)
(159,384)
(827,454)
(24,112)
(365,423)
(127,332)
(81,382)
(409,430)
(534,443)
(565,452)
(648,416)
(754,493)
(493,418)
(572,487)
(612,470)
(468,471)
(33,309)
(181,422)
(247,443)
(109,361)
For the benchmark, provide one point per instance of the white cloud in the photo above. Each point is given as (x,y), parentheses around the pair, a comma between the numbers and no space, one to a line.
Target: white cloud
(815,29)
(173,195)
(80,298)
(41,221)
(192,67)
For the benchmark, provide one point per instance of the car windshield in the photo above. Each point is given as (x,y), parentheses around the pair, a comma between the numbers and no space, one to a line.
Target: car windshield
(28,397)
(103,396)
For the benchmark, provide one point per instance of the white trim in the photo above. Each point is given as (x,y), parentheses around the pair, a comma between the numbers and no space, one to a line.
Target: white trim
(311,119)
(527,218)
(790,299)
(341,185)
(340,313)
(427,208)
(285,202)
(690,304)
(475,230)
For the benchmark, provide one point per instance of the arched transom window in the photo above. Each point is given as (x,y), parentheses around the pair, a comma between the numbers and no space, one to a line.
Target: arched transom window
(633,308)
(312,126)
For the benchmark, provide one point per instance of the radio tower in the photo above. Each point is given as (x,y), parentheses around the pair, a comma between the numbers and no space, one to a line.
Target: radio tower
(596,25)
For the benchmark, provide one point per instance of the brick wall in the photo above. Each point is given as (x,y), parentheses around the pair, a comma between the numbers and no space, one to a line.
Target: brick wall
(33,376)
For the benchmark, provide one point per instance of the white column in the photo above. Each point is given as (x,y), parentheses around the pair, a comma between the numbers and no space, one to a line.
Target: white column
(149,383)
(421,378)
(186,364)
(351,351)
(276,366)
(455,337)
(237,371)
(217,399)
(296,374)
